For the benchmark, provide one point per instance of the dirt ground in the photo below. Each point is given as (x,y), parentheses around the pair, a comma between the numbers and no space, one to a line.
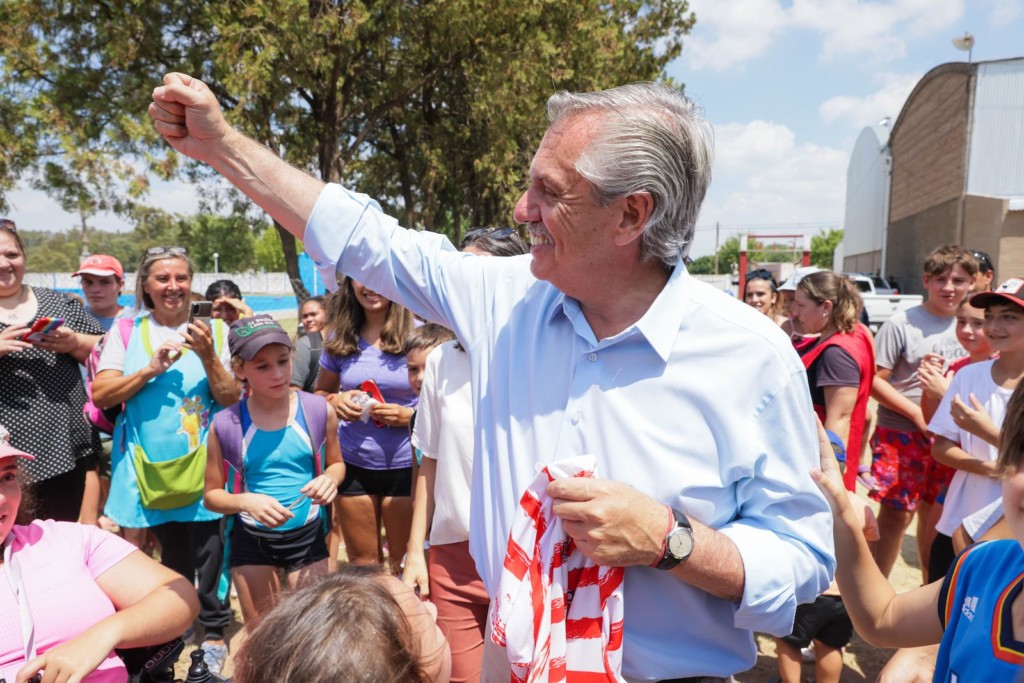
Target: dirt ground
(863,662)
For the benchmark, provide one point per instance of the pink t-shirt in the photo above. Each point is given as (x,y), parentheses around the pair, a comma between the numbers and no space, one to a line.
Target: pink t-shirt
(59,564)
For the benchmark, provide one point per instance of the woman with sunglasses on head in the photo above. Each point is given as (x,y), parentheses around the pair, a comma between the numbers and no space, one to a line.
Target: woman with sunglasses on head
(41,390)
(172,375)
(761,292)
(364,341)
(840,364)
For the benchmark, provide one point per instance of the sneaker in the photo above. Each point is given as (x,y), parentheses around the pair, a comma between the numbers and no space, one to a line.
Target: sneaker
(808,654)
(215,655)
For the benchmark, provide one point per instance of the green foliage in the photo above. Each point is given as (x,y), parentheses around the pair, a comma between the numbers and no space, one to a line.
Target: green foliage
(232,237)
(434,107)
(702,265)
(268,252)
(823,245)
(728,254)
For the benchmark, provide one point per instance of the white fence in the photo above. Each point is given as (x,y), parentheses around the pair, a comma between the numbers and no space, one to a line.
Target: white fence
(250,283)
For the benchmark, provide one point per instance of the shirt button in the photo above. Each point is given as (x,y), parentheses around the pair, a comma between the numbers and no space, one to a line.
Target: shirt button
(576,417)
(592,357)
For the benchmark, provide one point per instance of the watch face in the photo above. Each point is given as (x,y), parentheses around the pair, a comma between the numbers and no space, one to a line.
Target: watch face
(680,543)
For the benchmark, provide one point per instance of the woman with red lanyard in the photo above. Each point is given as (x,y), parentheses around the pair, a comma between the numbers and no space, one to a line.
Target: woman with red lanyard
(841,363)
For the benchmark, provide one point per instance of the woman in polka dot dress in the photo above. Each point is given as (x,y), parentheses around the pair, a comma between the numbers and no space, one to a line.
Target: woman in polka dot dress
(41,390)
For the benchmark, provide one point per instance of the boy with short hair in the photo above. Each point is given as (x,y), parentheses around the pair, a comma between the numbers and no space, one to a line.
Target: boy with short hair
(102,278)
(907,477)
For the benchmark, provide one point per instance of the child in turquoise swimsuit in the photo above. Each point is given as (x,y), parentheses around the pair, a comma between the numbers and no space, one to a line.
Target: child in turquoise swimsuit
(274,462)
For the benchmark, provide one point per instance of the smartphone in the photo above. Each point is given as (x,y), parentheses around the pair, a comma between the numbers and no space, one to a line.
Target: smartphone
(370,387)
(41,327)
(200,311)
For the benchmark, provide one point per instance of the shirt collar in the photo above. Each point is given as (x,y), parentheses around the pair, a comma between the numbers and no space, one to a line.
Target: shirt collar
(659,325)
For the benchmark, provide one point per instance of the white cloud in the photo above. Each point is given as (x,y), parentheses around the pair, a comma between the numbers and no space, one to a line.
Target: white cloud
(867,110)
(730,34)
(1004,11)
(33,210)
(764,176)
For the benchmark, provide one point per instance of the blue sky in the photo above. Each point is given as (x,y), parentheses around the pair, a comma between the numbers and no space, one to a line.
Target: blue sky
(788,87)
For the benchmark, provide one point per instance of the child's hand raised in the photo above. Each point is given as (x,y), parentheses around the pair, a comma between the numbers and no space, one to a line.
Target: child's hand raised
(321,490)
(266,510)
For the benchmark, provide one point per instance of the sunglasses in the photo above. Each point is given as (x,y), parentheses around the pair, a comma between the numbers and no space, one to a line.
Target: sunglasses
(984,261)
(157,251)
(760,274)
(496,233)
(8,224)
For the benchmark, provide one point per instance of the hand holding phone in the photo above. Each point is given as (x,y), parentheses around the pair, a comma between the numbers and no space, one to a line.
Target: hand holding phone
(41,327)
(200,311)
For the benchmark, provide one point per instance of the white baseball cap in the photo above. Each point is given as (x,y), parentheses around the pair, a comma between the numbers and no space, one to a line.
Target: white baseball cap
(799,274)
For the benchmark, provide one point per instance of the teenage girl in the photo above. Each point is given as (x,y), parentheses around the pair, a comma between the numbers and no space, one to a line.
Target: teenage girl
(272,482)
(364,341)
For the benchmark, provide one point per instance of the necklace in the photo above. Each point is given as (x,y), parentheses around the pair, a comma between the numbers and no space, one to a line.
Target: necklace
(9,315)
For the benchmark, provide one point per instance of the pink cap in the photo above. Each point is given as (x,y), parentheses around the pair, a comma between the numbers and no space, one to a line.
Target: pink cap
(101,265)
(7,450)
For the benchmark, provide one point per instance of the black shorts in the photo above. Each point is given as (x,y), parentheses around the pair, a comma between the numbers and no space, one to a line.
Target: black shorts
(825,619)
(289,550)
(360,481)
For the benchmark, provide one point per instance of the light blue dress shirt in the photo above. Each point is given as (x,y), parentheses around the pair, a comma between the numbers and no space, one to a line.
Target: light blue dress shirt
(702,404)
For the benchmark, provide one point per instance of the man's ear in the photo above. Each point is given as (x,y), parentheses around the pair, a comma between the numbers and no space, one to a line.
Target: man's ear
(636,211)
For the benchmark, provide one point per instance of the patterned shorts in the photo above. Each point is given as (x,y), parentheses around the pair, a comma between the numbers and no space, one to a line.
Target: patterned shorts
(904,469)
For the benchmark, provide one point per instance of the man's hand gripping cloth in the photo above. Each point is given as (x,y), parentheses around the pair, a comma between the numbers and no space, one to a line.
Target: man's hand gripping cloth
(557,613)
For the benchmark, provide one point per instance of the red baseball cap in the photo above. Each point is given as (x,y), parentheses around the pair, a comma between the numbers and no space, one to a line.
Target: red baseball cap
(1011,290)
(101,265)
(7,450)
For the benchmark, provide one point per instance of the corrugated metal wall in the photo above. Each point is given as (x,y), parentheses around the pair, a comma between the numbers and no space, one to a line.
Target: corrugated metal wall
(996,164)
(867,184)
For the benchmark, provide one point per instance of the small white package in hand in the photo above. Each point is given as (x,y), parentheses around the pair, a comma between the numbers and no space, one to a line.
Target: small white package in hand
(364,401)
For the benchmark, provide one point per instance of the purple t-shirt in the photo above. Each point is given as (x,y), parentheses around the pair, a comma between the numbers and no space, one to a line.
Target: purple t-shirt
(365,444)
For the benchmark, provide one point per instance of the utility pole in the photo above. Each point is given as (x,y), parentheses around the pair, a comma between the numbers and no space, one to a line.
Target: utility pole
(716,247)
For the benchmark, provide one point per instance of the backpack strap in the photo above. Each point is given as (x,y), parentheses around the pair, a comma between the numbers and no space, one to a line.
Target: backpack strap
(125,327)
(314,414)
(227,425)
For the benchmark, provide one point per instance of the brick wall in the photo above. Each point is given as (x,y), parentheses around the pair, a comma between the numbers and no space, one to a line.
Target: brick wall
(912,238)
(928,163)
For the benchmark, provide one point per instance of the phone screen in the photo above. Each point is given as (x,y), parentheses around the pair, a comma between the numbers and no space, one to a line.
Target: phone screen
(200,310)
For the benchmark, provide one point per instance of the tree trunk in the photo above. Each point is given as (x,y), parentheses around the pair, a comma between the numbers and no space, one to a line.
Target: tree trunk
(291,264)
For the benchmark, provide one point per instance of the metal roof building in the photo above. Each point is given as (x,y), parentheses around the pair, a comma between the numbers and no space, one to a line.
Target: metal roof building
(952,171)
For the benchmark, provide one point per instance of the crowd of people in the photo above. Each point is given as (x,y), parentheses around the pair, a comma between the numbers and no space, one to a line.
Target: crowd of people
(518,468)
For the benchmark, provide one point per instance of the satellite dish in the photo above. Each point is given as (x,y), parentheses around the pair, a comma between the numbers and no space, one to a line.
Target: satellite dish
(965,43)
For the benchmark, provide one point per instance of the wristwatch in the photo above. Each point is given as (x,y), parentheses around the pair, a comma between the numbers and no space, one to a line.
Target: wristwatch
(678,543)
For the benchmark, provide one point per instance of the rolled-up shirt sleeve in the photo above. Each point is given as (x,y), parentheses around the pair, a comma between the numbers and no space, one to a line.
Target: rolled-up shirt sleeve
(783,527)
(349,234)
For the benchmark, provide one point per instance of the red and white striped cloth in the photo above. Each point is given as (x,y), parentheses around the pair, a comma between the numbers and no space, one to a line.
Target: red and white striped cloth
(557,613)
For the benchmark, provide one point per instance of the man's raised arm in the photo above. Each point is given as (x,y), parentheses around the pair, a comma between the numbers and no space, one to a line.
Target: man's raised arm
(186,113)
